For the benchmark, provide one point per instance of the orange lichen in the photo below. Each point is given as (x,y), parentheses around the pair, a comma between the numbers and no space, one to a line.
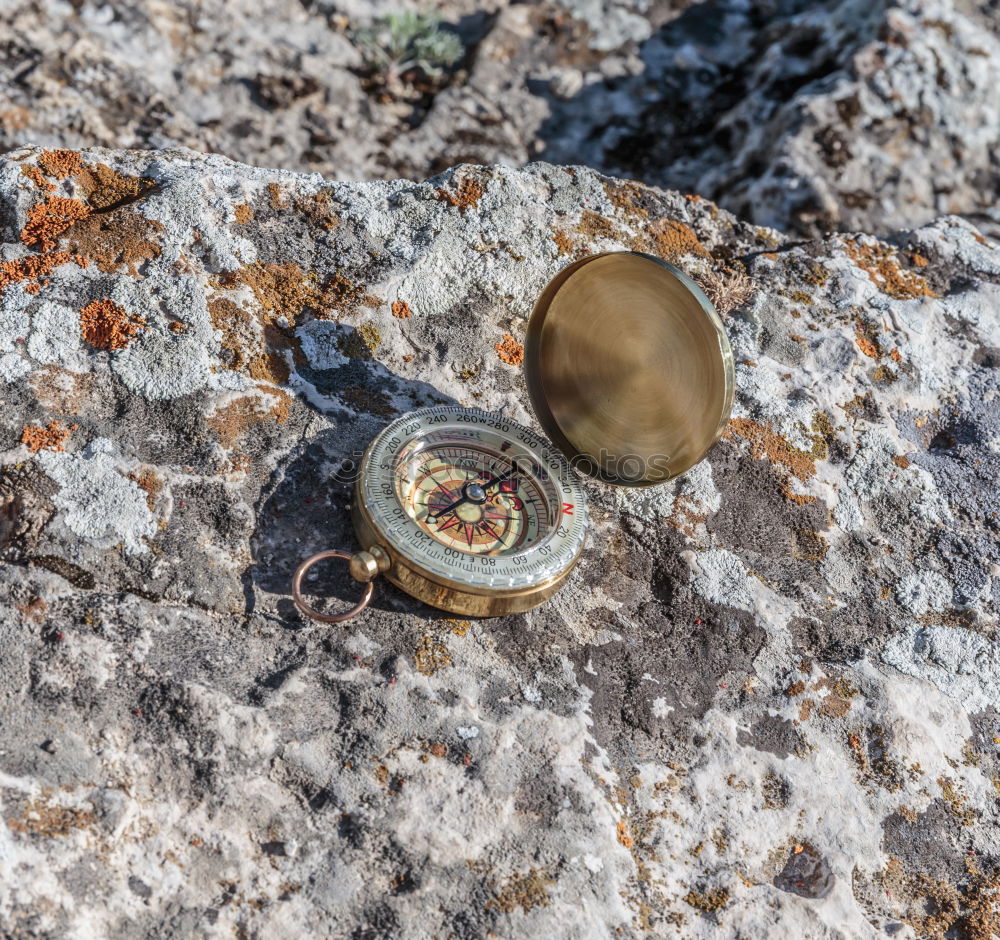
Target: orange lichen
(34,609)
(270,365)
(281,289)
(69,393)
(243,213)
(44,819)
(277,196)
(866,341)
(465,195)
(510,350)
(254,344)
(626,196)
(685,517)
(37,177)
(431,656)
(176,326)
(896,355)
(49,219)
(766,444)
(105,325)
(564,244)
(228,318)
(342,294)
(901,461)
(669,238)
(105,188)
(51,437)
(833,706)
(235,419)
(623,837)
(919,260)
(34,267)
(118,239)
(879,262)
(401,310)
(593,225)
(238,463)
(673,239)
(150,482)
(60,163)
(318,208)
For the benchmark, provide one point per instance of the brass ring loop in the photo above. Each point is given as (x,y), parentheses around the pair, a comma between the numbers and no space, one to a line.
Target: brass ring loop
(315,614)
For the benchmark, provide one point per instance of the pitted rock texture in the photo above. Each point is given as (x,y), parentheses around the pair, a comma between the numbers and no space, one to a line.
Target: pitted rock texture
(765,704)
(811,117)
(808,116)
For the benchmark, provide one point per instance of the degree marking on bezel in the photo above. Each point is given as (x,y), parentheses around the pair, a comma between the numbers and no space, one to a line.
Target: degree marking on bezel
(547,558)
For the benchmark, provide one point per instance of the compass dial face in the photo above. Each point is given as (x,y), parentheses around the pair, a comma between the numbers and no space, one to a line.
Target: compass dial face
(474,499)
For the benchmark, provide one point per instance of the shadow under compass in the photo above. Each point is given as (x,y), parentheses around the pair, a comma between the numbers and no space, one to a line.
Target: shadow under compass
(308,510)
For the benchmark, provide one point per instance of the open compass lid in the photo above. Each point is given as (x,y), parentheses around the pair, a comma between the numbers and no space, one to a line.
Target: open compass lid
(628,368)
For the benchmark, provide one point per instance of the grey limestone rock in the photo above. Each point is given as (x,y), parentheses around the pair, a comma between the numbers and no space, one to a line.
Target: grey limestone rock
(810,117)
(766,703)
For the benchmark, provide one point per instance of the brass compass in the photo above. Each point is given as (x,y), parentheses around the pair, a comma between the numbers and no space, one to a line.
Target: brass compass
(630,375)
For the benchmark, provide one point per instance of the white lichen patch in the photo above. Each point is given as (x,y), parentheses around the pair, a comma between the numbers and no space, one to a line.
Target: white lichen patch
(55,337)
(13,366)
(651,504)
(96,500)
(923,591)
(321,344)
(721,577)
(873,473)
(964,665)
(158,366)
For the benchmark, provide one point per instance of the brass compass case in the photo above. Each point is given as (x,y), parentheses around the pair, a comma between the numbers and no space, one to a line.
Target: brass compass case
(630,374)
(629,368)
(444,593)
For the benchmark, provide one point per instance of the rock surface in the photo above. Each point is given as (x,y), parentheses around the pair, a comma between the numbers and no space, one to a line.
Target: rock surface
(806,116)
(766,704)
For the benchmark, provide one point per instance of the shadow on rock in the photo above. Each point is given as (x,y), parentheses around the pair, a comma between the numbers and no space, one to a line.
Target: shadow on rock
(308,508)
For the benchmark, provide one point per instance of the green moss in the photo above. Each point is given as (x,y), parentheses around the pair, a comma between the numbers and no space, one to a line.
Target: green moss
(709,900)
(817,275)
(524,890)
(845,688)
(362,343)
